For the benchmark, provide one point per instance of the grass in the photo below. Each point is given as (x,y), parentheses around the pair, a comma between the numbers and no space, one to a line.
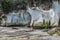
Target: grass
(13,38)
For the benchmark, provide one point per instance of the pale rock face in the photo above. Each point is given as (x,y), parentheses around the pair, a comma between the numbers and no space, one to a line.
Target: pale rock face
(56,8)
(52,14)
(36,15)
(39,15)
(19,18)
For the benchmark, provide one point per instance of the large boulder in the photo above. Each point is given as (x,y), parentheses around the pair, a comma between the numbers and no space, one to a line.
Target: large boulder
(19,18)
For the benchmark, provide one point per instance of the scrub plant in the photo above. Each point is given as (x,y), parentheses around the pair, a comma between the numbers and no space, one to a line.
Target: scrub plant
(47,24)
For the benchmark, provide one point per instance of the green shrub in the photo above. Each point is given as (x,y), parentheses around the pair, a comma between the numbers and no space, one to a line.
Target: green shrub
(7,5)
(47,24)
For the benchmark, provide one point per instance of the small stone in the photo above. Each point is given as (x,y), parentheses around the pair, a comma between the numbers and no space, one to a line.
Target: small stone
(52,31)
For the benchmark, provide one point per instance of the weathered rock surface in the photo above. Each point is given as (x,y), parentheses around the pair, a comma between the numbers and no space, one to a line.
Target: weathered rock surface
(54,31)
(7,33)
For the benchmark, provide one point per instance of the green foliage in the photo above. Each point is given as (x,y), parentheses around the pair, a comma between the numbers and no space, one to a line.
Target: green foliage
(0,20)
(7,5)
(24,2)
(7,1)
(38,1)
(47,24)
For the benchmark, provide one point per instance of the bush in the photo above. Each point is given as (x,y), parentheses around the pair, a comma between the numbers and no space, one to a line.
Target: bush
(47,24)
(7,5)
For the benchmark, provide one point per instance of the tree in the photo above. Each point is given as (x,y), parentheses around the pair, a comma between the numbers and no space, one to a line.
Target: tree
(7,6)
(59,21)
